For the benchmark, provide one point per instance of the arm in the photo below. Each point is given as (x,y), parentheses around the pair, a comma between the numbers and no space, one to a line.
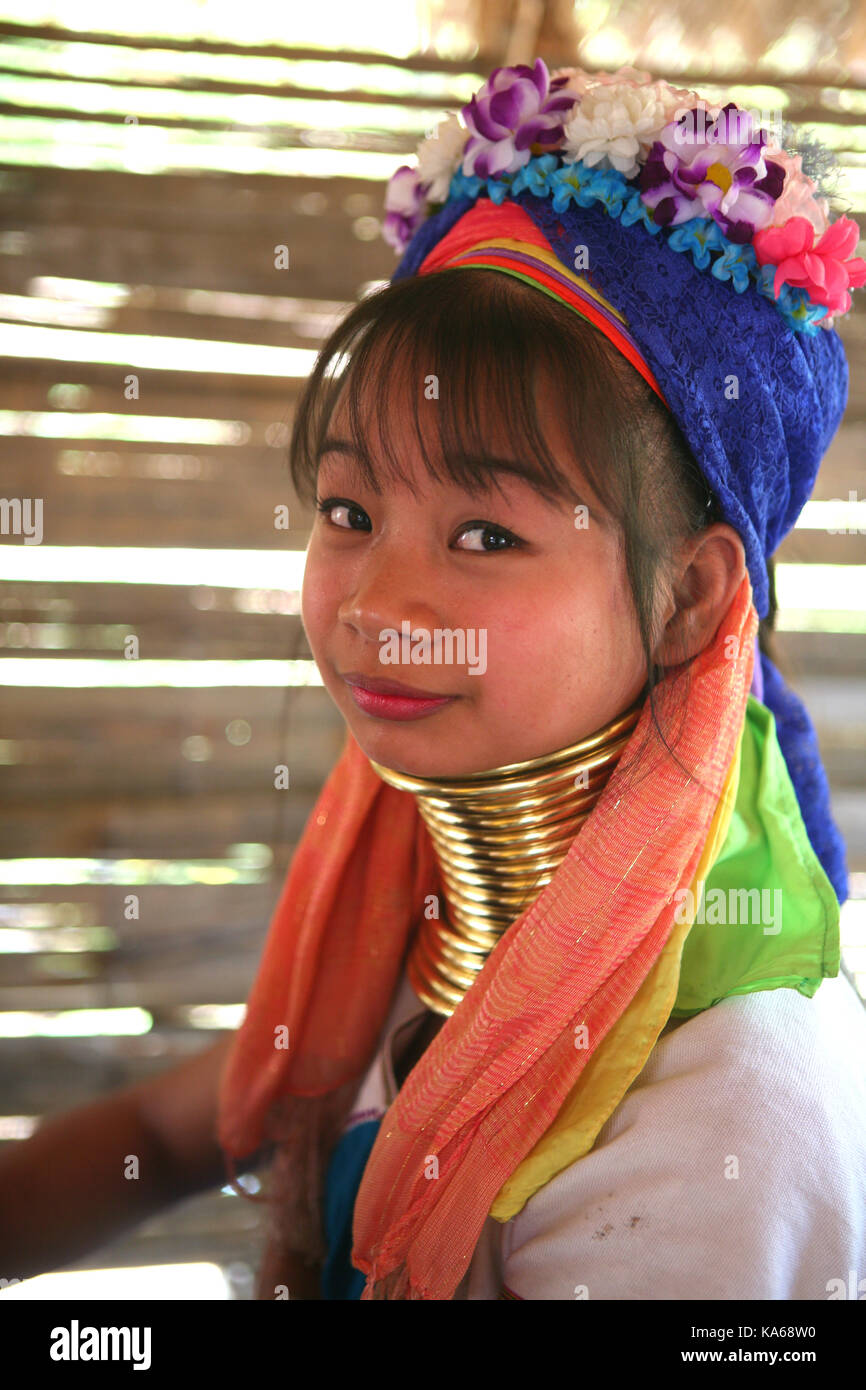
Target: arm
(63,1191)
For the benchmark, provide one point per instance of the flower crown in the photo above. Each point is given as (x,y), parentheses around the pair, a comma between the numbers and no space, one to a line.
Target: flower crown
(706,176)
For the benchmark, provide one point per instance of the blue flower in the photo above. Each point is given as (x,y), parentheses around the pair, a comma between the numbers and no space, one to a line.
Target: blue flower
(534,176)
(798,312)
(464,185)
(497,189)
(572,183)
(700,236)
(793,303)
(610,188)
(764,277)
(735,264)
(636,210)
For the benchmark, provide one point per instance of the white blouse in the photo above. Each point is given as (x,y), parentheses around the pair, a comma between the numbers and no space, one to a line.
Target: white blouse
(734,1167)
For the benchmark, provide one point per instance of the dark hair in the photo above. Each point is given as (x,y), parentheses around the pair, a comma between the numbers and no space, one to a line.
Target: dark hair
(486,336)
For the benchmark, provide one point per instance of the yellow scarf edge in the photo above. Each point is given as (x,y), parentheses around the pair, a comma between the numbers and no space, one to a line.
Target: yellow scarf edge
(623,1053)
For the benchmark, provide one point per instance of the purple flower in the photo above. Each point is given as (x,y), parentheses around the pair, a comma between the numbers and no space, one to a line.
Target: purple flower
(516,108)
(405,200)
(716,168)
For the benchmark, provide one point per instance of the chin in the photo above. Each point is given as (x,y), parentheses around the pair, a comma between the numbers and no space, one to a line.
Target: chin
(393,749)
(406,748)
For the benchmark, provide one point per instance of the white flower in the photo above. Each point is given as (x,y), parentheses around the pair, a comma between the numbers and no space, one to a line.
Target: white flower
(615,125)
(679,99)
(440,155)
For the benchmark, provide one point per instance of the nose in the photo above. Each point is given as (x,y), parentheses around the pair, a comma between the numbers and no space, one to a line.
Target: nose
(390,587)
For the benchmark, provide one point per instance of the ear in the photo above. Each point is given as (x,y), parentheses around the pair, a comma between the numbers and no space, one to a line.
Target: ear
(706,573)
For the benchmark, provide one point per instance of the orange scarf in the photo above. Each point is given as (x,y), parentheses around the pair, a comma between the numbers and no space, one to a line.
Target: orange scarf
(501,1067)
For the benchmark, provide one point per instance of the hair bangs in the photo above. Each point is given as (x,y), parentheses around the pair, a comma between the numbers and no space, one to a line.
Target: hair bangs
(462,353)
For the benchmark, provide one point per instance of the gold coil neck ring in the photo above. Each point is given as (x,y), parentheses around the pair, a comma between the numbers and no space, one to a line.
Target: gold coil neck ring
(499,837)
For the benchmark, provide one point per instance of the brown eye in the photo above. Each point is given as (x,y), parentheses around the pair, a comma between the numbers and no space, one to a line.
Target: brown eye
(339,504)
(504,539)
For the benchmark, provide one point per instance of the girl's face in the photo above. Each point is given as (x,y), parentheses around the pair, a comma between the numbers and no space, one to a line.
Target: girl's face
(544,647)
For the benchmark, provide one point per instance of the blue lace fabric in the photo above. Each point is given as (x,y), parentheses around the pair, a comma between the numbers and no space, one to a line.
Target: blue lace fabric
(757,403)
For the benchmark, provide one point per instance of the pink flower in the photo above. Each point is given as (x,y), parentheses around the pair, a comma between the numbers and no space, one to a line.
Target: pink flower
(820,268)
(516,108)
(798,195)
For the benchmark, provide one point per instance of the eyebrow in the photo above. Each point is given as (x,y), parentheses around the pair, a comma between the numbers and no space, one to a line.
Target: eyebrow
(492,463)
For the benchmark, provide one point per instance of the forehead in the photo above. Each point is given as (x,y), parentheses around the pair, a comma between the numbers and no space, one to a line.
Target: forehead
(399,393)
(396,424)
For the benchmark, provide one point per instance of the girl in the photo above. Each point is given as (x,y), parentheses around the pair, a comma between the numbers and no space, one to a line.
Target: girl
(541,1011)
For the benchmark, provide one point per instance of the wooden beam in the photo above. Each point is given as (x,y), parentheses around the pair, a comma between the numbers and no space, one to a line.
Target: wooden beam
(835,653)
(279,91)
(290,136)
(165,910)
(181,200)
(416,62)
(199,395)
(171,827)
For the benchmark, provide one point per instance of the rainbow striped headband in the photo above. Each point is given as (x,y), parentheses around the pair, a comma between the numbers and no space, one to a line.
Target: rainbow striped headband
(470,245)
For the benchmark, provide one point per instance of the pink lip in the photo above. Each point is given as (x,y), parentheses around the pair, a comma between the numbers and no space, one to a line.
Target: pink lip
(383,687)
(391,699)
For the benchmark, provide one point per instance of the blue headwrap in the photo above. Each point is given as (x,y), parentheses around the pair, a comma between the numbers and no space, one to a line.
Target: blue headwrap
(757,402)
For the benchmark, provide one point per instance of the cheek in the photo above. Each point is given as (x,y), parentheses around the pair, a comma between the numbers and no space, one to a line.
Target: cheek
(591,630)
(547,638)
(318,603)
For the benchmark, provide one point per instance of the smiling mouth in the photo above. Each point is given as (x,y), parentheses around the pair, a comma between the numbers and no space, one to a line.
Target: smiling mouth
(378,686)
(393,703)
